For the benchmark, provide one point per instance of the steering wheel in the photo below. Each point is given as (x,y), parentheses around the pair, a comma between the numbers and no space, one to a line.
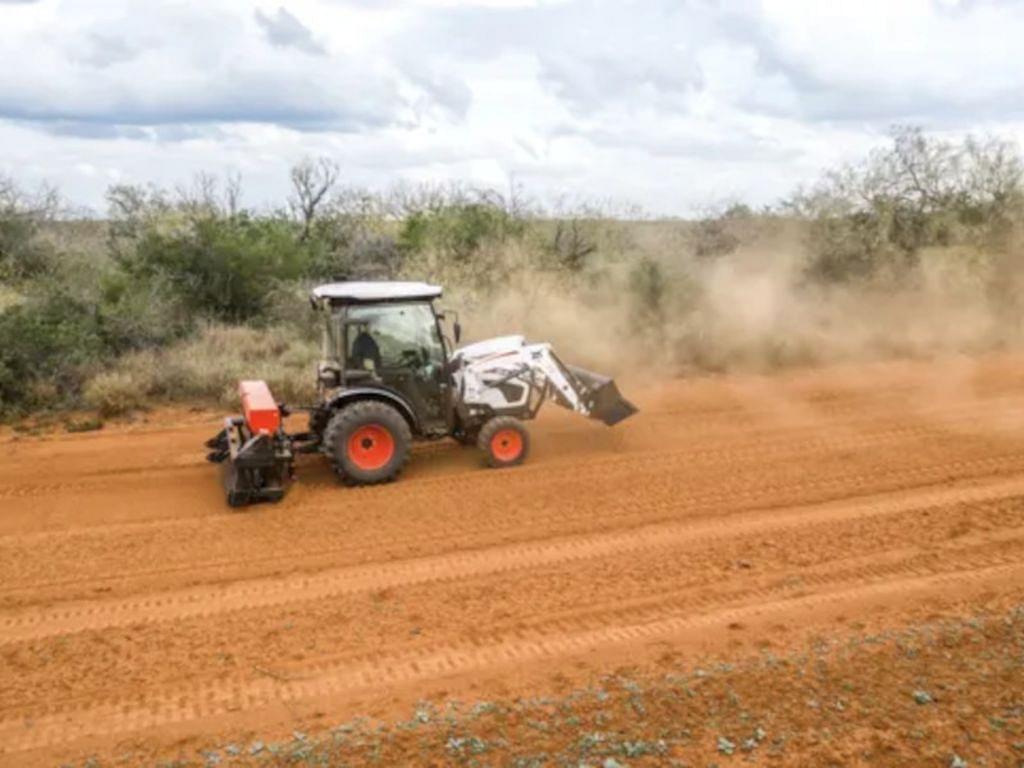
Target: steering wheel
(411,357)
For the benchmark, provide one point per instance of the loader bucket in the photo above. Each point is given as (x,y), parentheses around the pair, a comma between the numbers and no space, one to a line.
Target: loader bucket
(601,396)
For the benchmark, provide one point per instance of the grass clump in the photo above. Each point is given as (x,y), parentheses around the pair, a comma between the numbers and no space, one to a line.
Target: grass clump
(84,424)
(116,393)
(208,367)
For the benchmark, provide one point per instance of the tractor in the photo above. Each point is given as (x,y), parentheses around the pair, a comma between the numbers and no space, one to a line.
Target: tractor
(389,375)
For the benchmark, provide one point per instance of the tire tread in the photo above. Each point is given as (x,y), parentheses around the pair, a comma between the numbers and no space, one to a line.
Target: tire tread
(365,412)
(492,427)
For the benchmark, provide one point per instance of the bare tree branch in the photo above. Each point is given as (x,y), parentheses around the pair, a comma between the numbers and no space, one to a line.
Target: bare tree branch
(312,180)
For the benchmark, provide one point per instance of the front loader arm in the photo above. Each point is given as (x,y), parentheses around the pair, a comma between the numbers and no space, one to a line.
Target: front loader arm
(535,367)
(565,391)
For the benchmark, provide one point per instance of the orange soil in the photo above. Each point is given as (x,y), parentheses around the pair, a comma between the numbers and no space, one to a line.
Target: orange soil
(139,616)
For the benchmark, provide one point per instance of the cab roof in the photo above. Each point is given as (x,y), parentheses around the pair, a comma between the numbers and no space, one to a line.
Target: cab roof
(358,292)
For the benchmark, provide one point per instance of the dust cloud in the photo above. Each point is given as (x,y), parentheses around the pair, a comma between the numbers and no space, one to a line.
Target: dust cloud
(753,311)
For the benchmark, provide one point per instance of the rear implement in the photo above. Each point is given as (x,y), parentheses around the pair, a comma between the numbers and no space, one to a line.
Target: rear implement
(253,450)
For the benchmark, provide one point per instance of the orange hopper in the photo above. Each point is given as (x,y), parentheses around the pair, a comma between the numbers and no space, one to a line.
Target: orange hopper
(261,412)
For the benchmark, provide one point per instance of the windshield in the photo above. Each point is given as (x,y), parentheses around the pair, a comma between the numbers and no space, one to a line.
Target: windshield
(392,336)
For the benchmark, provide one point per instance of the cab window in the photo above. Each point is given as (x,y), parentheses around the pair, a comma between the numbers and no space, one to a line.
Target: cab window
(393,336)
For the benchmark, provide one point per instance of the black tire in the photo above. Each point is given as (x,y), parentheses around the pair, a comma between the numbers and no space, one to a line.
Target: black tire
(502,448)
(367,415)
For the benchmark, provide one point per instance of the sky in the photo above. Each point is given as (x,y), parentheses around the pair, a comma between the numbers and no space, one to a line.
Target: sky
(676,106)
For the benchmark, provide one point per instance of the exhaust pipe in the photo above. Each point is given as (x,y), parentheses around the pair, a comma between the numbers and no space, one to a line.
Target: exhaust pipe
(602,398)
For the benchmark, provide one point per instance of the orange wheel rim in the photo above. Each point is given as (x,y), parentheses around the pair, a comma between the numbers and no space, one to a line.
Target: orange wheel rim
(507,444)
(371,447)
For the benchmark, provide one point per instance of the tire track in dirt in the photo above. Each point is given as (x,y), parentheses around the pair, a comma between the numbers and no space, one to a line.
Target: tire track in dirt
(981,552)
(99,674)
(261,593)
(751,441)
(61,724)
(977,553)
(624,515)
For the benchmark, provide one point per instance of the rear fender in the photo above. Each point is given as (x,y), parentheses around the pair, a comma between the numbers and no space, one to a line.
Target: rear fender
(388,396)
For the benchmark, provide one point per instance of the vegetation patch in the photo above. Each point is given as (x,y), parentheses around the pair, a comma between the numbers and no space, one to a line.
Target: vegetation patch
(174,295)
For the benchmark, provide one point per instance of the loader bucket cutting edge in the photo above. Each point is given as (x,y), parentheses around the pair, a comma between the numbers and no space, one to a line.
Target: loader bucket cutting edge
(604,400)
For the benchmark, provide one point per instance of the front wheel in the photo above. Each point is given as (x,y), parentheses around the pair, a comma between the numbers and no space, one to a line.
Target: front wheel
(369,442)
(504,441)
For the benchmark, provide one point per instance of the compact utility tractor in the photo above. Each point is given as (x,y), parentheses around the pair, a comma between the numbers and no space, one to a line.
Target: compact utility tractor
(390,375)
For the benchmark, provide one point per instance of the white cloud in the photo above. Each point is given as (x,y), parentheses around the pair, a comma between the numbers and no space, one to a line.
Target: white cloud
(166,64)
(670,103)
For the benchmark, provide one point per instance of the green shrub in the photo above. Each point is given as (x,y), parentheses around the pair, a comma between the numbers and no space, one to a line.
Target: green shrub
(54,339)
(458,229)
(221,267)
(140,313)
(23,252)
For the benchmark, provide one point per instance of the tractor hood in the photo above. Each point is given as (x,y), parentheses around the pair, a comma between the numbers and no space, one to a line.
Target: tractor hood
(500,345)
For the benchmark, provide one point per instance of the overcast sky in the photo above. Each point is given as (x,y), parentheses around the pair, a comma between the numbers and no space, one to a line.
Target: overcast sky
(671,104)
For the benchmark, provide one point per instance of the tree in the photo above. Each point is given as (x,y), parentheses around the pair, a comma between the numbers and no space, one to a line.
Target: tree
(919,191)
(573,245)
(312,181)
(23,253)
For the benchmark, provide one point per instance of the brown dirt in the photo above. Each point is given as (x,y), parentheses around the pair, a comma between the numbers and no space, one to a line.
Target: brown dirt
(141,620)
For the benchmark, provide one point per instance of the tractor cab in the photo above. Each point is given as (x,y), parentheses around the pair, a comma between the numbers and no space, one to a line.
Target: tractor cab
(387,337)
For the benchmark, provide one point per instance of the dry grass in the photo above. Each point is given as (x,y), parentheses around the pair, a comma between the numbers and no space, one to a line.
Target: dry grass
(207,368)
(8,297)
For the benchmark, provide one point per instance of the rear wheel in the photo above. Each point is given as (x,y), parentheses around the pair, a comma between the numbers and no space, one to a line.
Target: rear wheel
(369,442)
(504,441)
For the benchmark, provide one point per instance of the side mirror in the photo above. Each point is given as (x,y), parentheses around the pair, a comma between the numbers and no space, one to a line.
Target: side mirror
(457,330)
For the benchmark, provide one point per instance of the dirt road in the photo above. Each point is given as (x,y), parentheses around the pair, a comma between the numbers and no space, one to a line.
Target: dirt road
(138,615)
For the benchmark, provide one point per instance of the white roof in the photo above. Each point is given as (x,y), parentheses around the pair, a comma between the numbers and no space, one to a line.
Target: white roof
(381,290)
